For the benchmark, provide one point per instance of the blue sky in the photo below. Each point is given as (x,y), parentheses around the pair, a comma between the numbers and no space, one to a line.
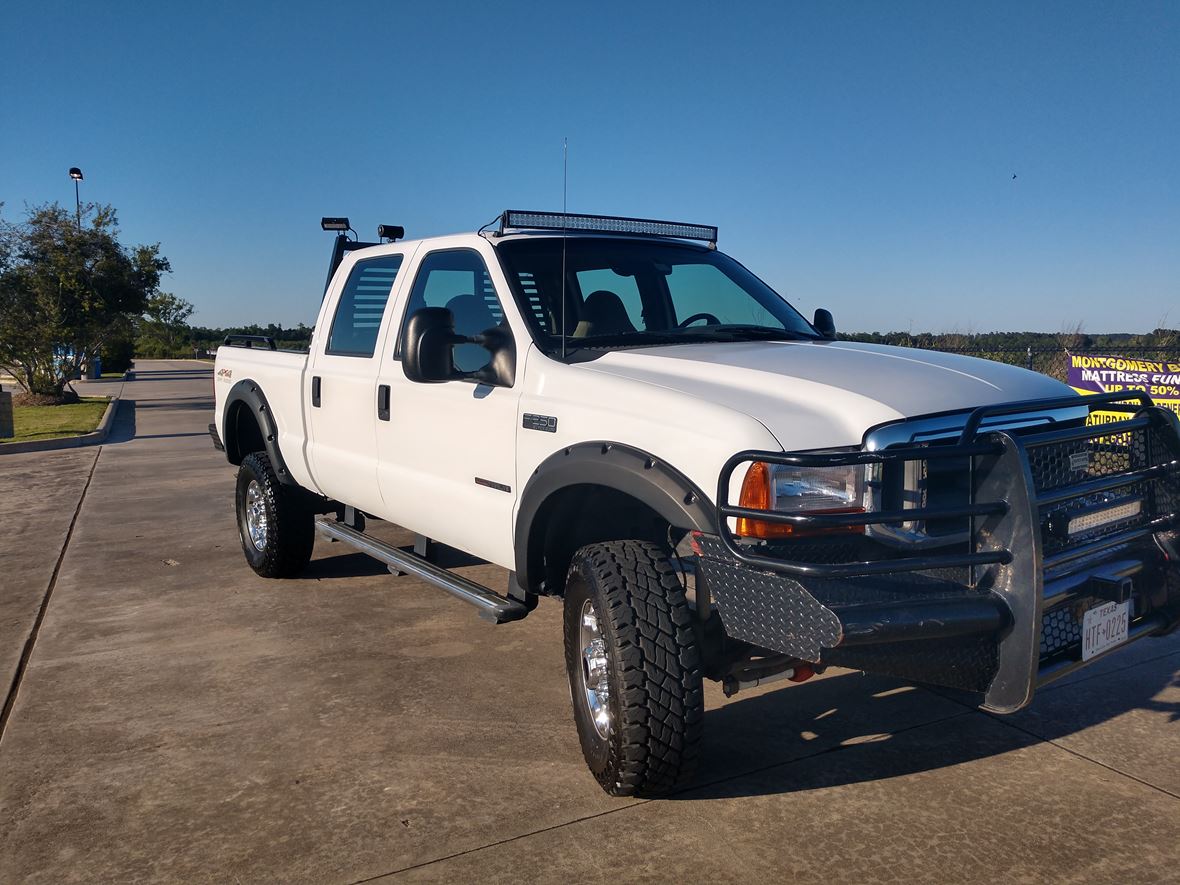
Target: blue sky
(857,156)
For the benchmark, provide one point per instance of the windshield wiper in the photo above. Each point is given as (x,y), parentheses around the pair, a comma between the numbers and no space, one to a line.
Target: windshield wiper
(638,338)
(695,335)
(735,332)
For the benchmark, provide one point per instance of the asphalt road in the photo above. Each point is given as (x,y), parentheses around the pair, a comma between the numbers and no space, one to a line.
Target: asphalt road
(179,719)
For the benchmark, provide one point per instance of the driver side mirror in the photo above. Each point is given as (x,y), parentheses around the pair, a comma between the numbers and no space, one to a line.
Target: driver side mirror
(428,353)
(428,356)
(824,324)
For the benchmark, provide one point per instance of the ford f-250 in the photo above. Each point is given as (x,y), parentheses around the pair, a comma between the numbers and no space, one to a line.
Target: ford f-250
(632,422)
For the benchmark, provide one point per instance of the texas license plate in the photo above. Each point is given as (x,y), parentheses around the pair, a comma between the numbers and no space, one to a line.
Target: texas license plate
(1104,627)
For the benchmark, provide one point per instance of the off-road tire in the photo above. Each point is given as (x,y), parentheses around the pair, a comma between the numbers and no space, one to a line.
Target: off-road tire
(290,522)
(655,701)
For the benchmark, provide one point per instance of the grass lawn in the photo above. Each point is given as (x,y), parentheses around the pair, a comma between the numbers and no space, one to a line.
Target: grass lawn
(50,422)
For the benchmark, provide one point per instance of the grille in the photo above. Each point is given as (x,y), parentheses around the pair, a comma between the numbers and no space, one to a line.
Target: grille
(1061,627)
(938,482)
(1058,466)
(948,484)
(1063,464)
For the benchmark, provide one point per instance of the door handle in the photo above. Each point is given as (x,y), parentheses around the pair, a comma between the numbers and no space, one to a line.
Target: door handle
(383,402)
(315,391)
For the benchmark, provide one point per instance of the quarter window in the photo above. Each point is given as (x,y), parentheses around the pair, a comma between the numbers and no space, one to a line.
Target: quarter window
(362,305)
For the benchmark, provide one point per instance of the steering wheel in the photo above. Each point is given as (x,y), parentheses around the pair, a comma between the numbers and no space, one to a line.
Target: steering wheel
(709,319)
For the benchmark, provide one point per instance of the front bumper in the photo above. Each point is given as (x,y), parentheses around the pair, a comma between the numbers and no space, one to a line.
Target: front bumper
(1000,614)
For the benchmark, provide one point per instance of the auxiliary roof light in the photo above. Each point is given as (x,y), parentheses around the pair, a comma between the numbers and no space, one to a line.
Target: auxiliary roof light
(566,221)
(340,224)
(391,232)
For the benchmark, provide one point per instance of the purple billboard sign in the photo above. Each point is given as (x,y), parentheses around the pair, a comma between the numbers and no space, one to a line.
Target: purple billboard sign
(1159,379)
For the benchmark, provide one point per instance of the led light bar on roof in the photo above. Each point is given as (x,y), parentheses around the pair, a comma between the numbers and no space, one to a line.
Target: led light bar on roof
(514,218)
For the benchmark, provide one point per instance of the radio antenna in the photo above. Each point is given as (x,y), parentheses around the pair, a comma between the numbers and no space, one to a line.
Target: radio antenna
(565,166)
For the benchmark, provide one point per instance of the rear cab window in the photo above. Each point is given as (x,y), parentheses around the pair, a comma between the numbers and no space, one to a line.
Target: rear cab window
(361,307)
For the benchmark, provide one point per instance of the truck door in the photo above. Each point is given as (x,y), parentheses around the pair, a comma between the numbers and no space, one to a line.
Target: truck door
(447,454)
(340,392)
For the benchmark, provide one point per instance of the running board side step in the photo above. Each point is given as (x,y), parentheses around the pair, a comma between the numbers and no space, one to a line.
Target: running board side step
(491,605)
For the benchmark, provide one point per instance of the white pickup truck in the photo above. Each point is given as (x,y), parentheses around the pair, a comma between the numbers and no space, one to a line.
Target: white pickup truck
(629,420)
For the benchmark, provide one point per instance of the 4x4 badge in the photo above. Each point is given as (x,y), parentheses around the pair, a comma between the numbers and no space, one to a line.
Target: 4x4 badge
(1079,461)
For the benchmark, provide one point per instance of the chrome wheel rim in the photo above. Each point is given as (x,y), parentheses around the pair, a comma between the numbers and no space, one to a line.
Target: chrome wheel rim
(256,525)
(595,675)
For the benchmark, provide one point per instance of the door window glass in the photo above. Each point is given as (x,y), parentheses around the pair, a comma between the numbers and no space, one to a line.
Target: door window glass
(362,305)
(458,280)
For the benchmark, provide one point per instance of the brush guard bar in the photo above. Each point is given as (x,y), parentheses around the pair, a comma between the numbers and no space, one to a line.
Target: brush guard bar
(1018,574)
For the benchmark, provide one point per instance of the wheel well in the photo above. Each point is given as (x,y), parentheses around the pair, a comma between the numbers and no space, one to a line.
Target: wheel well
(243,435)
(577,515)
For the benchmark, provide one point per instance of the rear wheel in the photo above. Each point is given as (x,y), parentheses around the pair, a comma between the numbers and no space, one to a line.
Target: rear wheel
(276,527)
(634,668)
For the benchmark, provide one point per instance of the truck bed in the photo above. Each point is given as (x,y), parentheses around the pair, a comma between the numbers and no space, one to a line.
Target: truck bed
(281,374)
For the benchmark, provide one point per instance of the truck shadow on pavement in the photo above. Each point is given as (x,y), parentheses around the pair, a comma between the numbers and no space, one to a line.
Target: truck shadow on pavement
(344,565)
(172,374)
(355,565)
(181,404)
(851,729)
(124,429)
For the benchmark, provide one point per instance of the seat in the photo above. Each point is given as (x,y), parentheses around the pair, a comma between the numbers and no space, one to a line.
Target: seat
(472,314)
(603,313)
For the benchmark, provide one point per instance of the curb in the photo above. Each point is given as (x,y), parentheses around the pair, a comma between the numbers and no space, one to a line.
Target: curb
(94,438)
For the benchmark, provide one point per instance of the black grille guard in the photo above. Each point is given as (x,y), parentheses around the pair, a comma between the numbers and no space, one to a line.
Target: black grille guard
(1004,555)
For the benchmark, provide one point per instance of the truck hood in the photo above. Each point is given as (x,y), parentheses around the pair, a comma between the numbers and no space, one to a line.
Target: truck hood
(816,394)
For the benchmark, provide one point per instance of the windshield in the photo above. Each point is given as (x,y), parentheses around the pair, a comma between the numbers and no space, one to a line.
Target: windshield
(631,293)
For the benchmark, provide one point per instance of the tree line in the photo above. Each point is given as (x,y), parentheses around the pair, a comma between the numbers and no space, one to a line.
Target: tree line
(206,338)
(1002,342)
(297,338)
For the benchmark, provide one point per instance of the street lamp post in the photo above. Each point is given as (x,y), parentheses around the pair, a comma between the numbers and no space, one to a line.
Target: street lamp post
(76,174)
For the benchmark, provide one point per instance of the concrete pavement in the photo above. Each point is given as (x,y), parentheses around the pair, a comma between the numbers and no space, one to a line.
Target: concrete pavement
(180,719)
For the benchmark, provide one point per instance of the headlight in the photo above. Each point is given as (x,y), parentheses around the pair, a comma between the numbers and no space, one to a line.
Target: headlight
(799,490)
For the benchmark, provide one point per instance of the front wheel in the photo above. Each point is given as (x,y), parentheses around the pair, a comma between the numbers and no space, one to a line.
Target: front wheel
(634,668)
(276,527)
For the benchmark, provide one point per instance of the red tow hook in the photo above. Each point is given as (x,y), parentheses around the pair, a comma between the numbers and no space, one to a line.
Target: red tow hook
(802,673)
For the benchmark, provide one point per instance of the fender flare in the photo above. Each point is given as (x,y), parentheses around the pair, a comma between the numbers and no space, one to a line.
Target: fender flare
(639,474)
(253,400)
